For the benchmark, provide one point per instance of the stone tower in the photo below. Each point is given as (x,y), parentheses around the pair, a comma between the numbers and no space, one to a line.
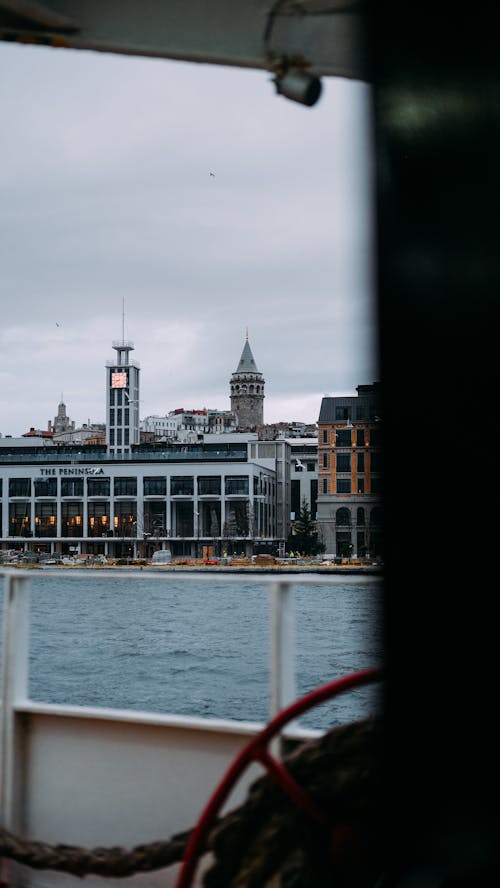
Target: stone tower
(247,391)
(62,422)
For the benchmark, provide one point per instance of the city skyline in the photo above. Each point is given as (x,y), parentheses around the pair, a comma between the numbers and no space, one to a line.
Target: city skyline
(206,202)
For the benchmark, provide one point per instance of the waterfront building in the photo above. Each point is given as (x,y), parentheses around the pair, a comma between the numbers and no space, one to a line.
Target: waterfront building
(122,400)
(69,499)
(195,479)
(247,391)
(349,515)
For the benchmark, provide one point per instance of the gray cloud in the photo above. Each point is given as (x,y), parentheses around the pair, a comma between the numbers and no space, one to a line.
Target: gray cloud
(106,195)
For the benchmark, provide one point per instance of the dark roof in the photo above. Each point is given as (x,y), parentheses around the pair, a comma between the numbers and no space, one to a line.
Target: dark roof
(247,363)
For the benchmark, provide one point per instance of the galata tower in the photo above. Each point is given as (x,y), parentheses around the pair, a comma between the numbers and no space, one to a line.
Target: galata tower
(247,391)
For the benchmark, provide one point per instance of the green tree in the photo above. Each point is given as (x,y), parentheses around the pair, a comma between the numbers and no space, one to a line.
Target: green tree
(304,536)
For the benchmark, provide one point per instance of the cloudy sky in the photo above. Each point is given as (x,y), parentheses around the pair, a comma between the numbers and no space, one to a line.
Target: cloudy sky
(107,202)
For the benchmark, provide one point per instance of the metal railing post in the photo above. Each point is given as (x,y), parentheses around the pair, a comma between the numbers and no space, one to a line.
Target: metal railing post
(15,643)
(282,689)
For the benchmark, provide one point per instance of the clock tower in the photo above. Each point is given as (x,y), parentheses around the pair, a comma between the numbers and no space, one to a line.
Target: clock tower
(122,400)
(247,391)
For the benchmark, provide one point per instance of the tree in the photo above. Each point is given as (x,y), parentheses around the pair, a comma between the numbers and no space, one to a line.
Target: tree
(304,536)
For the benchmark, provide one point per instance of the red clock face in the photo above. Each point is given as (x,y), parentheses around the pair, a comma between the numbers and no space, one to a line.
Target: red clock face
(118,380)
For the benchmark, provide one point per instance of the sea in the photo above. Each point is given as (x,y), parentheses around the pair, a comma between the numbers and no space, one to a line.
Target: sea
(197,648)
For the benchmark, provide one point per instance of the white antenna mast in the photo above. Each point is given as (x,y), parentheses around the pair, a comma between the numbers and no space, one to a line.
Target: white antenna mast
(123,319)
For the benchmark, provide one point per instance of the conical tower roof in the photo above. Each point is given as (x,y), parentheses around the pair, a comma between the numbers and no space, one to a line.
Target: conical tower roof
(247,363)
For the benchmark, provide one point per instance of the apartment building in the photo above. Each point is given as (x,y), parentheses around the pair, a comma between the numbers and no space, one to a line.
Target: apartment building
(349,514)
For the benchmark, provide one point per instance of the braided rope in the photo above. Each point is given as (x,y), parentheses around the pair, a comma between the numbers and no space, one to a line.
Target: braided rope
(99,861)
(267,834)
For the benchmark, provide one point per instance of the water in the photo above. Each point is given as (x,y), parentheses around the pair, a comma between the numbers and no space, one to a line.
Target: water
(196,648)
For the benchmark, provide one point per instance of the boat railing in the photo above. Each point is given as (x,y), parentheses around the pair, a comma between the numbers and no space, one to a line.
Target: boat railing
(90,776)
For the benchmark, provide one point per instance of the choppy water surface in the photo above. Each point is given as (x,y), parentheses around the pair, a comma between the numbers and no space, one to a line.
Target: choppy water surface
(196,648)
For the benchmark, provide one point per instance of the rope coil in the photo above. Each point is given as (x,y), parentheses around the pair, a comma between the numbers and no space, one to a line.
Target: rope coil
(267,833)
(328,823)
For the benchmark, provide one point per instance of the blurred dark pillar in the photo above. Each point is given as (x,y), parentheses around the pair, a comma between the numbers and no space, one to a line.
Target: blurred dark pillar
(437,115)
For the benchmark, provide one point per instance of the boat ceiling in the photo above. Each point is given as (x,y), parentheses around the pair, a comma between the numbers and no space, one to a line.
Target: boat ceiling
(323,36)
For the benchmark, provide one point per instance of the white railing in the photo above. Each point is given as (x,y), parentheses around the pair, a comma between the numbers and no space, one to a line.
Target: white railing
(101,777)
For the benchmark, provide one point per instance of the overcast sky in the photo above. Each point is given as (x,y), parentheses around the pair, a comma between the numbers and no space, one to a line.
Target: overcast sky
(106,196)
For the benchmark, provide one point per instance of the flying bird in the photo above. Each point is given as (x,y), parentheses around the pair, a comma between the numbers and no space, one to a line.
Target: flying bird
(212,174)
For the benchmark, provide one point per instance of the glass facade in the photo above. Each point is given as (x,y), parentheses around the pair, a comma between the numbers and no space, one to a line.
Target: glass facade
(66,509)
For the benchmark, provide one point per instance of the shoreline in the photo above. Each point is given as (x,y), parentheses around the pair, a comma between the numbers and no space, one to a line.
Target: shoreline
(371,569)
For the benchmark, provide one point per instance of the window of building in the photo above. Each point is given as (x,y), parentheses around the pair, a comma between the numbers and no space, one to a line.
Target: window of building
(209,520)
(343,485)
(310,466)
(295,499)
(325,485)
(119,437)
(112,436)
(20,519)
(314,498)
(183,519)
(98,519)
(343,462)
(375,437)
(72,486)
(360,517)
(325,436)
(237,485)
(360,437)
(98,487)
(361,461)
(209,486)
(325,460)
(125,520)
(112,416)
(19,486)
(375,461)
(343,517)
(361,485)
(361,543)
(343,437)
(71,519)
(125,486)
(182,485)
(46,519)
(341,413)
(46,487)
(155,518)
(237,523)
(375,485)
(155,486)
